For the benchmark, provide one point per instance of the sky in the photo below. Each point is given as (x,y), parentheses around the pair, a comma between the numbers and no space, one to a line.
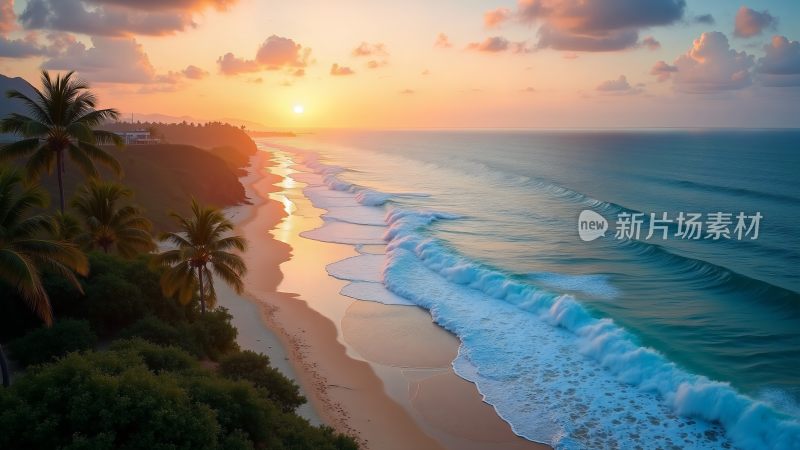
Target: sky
(422,64)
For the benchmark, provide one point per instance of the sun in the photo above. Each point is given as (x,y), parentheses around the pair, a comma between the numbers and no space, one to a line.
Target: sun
(299,109)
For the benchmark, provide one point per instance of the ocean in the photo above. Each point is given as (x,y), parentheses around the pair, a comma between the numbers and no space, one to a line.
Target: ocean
(680,338)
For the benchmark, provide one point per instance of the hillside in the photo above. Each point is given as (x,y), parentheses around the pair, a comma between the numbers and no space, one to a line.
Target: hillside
(207,135)
(164,178)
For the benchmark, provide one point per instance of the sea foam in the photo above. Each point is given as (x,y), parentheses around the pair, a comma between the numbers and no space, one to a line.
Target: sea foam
(551,369)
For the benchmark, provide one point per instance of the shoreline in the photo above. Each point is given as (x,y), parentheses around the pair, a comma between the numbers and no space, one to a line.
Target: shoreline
(381,373)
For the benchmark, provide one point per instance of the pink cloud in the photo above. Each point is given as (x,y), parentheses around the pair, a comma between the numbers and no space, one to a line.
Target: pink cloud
(710,65)
(367,49)
(442,41)
(751,23)
(337,70)
(496,17)
(275,53)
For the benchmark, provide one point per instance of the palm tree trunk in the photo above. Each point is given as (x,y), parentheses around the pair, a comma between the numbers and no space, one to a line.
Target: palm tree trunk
(60,170)
(4,368)
(202,291)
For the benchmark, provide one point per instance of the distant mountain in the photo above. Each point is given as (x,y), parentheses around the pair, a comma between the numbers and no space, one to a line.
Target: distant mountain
(8,106)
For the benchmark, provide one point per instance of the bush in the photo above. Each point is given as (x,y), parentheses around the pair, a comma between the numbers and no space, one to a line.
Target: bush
(214,334)
(255,368)
(45,344)
(89,401)
(115,400)
(156,357)
(159,332)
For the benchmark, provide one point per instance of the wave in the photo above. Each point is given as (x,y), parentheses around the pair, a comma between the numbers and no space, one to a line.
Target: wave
(545,348)
(748,423)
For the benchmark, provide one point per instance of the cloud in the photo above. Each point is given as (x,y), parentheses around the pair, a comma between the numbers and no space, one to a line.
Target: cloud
(704,19)
(230,64)
(528,90)
(20,48)
(498,44)
(663,71)
(8,20)
(83,16)
(367,49)
(149,5)
(113,60)
(751,23)
(651,43)
(442,41)
(337,70)
(710,65)
(376,64)
(496,17)
(493,44)
(16,48)
(556,39)
(194,73)
(780,65)
(618,86)
(407,92)
(275,53)
(601,25)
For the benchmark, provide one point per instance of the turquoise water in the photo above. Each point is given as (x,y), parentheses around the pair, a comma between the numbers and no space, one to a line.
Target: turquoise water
(692,343)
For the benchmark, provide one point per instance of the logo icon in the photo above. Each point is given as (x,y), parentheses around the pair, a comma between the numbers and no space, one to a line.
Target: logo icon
(591,225)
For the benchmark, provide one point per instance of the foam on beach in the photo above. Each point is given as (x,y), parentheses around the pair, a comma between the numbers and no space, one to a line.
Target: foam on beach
(550,368)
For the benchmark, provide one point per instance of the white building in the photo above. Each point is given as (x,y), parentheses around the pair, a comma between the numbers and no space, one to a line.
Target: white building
(137,137)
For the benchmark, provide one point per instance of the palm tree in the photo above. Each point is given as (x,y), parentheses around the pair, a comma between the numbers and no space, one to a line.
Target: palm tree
(201,248)
(64,226)
(110,225)
(24,254)
(63,120)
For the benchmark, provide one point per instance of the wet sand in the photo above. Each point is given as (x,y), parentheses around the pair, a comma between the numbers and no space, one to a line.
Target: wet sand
(378,372)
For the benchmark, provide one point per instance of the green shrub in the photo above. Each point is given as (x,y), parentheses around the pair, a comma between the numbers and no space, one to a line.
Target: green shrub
(112,303)
(156,357)
(45,344)
(214,334)
(78,403)
(255,368)
(115,400)
(159,332)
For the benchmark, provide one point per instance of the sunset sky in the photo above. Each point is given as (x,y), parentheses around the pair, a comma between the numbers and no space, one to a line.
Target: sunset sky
(447,63)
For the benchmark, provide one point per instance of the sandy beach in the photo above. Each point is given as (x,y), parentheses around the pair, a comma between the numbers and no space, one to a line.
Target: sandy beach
(381,373)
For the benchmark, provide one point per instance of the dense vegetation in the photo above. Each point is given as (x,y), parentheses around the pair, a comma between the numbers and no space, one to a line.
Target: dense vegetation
(117,347)
(204,135)
(147,389)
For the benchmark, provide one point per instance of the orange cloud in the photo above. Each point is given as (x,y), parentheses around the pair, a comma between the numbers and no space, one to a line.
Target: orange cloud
(442,41)
(662,70)
(496,17)
(275,53)
(367,49)
(337,70)
(194,73)
(751,23)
